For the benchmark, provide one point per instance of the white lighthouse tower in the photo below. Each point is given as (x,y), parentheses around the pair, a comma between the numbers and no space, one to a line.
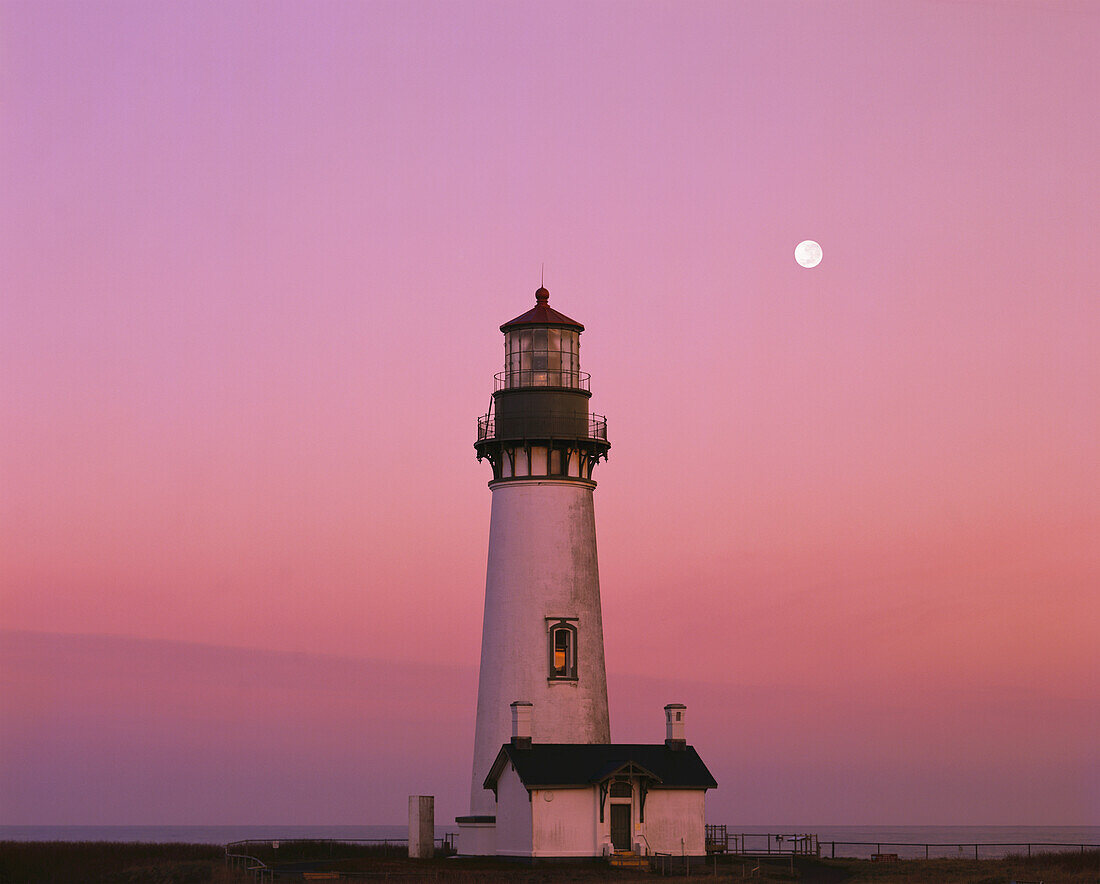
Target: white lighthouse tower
(542,639)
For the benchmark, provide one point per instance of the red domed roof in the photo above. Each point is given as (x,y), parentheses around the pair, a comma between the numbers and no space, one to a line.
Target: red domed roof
(542,314)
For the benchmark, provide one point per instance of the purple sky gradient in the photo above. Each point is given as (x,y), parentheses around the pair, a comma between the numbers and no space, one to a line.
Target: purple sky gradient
(253,258)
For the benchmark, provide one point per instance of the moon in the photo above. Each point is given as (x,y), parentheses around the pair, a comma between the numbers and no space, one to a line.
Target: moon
(807,253)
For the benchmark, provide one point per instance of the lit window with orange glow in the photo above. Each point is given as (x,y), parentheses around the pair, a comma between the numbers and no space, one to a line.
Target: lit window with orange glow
(563,650)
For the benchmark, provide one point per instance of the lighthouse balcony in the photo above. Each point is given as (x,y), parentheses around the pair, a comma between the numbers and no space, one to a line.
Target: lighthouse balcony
(592,427)
(514,379)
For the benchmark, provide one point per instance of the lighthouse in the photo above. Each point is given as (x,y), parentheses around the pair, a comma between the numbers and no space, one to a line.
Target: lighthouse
(548,783)
(542,655)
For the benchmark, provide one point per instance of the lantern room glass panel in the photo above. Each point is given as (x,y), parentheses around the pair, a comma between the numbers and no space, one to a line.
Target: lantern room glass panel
(542,357)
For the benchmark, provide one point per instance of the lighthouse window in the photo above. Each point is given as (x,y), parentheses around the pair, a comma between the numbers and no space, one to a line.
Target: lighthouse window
(525,350)
(563,651)
(570,361)
(554,356)
(513,360)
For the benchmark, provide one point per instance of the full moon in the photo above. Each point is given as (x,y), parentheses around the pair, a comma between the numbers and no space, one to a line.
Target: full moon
(807,253)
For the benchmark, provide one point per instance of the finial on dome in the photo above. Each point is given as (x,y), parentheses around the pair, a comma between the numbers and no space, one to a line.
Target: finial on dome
(542,295)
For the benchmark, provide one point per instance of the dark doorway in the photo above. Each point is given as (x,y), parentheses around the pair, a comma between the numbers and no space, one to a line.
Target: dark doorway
(620,826)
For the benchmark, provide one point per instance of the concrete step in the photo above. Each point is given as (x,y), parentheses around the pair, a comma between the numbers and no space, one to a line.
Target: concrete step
(628,859)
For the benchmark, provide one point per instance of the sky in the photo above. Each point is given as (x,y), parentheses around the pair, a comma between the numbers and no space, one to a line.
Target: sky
(253,260)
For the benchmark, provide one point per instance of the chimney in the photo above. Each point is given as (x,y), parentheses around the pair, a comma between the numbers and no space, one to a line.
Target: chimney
(674,726)
(521,724)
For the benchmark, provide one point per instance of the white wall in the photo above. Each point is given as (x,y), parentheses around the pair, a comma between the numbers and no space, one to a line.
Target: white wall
(565,825)
(542,563)
(672,814)
(513,811)
(568,824)
(477,839)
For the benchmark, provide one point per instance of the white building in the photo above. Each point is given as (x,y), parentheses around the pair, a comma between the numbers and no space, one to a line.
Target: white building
(575,800)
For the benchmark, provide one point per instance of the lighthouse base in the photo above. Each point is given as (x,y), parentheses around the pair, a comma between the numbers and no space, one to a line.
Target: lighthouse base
(477,835)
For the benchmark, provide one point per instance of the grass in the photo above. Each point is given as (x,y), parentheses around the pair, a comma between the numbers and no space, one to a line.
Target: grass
(1050,868)
(324,851)
(106,862)
(97,862)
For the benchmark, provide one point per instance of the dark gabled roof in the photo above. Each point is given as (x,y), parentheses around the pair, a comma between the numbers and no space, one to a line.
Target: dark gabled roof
(542,314)
(583,764)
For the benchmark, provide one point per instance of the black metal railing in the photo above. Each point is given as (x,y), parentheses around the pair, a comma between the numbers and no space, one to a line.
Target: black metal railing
(949,850)
(514,379)
(721,839)
(535,427)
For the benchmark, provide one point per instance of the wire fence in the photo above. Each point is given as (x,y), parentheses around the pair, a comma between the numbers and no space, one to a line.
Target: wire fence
(899,850)
(263,858)
(723,840)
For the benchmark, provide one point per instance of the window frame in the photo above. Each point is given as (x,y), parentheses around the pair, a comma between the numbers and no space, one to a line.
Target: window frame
(556,626)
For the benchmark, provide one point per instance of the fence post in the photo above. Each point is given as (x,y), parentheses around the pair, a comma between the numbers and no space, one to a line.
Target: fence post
(975,851)
(834,849)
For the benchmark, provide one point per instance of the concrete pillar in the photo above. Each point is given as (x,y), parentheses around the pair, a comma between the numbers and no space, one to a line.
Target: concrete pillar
(421,826)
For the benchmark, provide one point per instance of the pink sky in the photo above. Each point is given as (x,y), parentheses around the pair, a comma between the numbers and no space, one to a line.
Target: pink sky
(253,258)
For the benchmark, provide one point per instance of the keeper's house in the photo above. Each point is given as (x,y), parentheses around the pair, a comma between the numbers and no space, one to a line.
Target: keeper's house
(562,800)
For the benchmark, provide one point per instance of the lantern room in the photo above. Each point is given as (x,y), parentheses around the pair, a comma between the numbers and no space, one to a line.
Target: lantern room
(542,349)
(539,423)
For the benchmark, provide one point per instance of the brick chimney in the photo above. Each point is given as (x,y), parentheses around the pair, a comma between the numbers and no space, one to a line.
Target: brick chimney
(674,726)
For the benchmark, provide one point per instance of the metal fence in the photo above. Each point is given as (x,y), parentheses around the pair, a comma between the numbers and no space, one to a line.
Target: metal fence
(720,839)
(980,850)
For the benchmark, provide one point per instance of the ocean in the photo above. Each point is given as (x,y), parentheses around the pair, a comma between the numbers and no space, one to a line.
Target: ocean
(848,841)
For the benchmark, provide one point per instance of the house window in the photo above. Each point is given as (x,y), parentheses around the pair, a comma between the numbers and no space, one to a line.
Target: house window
(563,650)
(621,790)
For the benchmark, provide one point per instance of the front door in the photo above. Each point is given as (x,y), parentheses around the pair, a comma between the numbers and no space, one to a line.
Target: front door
(620,826)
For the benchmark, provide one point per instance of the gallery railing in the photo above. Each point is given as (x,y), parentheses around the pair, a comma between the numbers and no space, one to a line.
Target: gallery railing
(513,379)
(538,426)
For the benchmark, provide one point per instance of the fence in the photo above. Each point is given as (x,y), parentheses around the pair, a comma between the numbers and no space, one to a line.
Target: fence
(964,850)
(260,858)
(719,839)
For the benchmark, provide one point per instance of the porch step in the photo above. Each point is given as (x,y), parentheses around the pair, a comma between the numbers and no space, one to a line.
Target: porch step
(628,859)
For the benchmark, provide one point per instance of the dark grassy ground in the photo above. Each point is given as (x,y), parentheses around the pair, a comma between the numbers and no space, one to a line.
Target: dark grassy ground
(104,862)
(113,863)
(1050,868)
